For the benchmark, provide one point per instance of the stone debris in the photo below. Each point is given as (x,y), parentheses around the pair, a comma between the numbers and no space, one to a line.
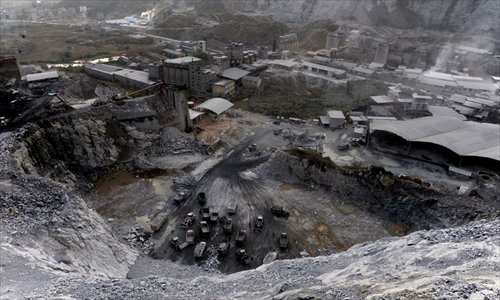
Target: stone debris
(139,238)
(173,142)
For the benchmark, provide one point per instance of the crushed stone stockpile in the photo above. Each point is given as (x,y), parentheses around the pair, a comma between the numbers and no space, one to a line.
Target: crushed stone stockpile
(453,263)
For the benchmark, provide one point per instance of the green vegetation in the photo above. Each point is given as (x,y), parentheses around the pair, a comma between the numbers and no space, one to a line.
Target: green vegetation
(294,97)
(61,43)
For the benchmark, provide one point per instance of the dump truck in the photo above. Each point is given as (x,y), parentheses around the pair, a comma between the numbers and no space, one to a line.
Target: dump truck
(199,250)
(202,198)
(205,213)
(190,237)
(181,197)
(205,229)
(283,240)
(243,257)
(259,224)
(241,237)
(214,216)
(228,225)
(270,257)
(158,221)
(231,209)
(223,249)
(280,212)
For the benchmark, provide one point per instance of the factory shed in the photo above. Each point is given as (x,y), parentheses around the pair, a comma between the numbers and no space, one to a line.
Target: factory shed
(443,111)
(193,114)
(324,120)
(215,105)
(234,74)
(465,138)
(42,76)
(381,99)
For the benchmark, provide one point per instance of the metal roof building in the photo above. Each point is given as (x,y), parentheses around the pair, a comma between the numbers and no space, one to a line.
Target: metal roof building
(215,105)
(336,114)
(42,76)
(465,138)
(234,73)
(438,111)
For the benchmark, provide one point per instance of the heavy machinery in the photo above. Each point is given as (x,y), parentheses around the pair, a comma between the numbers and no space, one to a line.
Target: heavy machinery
(176,244)
(283,240)
(189,220)
(205,229)
(190,237)
(280,212)
(199,250)
(259,224)
(241,237)
(158,221)
(223,249)
(181,197)
(228,225)
(243,257)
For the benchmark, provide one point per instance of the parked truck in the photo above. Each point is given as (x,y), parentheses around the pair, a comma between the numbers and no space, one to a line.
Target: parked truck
(177,245)
(158,221)
(190,237)
(214,216)
(283,240)
(280,212)
(241,237)
(228,225)
(205,213)
(199,250)
(202,198)
(205,229)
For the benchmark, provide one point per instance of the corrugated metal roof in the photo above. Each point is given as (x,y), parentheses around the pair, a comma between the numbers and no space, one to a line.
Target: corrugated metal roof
(445,111)
(42,76)
(182,60)
(324,68)
(335,114)
(216,105)
(325,120)
(139,76)
(458,98)
(234,73)
(381,99)
(462,137)
(193,114)
(103,68)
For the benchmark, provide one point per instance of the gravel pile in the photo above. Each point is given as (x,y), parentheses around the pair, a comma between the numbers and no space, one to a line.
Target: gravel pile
(173,141)
(139,238)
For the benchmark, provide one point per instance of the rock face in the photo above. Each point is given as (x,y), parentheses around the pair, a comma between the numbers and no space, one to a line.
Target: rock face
(414,205)
(52,227)
(454,263)
(473,16)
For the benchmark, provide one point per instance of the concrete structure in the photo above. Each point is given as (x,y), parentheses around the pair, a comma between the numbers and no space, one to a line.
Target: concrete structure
(127,77)
(323,70)
(465,138)
(362,71)
(381,54)
(223,88)
(251,82)
(262,52)
(9,67)
(288,42)
(44,76)
(191,47)
(465,84)
(235,74)
(220,63)
(170,53)
(337,118)
(475,107)
(186,72)
(215,105)
(335,40)
(235,53)
(288,65)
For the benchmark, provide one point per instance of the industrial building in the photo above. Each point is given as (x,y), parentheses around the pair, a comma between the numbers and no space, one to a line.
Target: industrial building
(335,40)
(466,139)
(187,72)
(336,118)
(127,77)
(454,83)
(235,74)
(220,63)
(189,48)
(223,88)
(251,82)
(216,106)
(235,53)
(9,67)
(323,70)
(473,107)
(287,42)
